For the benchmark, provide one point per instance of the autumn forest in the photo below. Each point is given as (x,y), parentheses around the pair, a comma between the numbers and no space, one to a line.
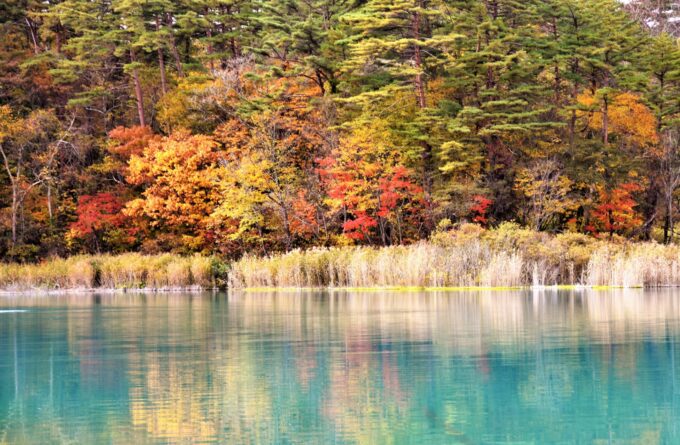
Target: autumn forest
(254,126)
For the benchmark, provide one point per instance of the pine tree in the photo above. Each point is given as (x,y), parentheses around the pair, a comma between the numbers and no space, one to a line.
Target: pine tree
(302,37)
(394,48)
(229,31)
(498,107)
(663,64)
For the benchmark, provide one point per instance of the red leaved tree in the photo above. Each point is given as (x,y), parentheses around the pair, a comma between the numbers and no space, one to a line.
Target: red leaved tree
(615,211)
(480,209)
(369,187)
(101,224)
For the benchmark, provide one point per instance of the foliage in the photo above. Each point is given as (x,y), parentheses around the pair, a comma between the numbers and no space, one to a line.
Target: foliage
(371,189)
(180,173)
(101,223)
(615,211)
(238,127)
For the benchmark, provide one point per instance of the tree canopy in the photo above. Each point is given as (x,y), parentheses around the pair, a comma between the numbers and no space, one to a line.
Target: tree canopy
(231,126)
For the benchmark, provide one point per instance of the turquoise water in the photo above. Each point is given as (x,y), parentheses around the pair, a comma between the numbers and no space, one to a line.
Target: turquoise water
(345,368)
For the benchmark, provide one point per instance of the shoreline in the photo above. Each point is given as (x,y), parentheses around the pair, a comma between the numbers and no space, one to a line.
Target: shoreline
(390,289)
(103,290)
(444,288)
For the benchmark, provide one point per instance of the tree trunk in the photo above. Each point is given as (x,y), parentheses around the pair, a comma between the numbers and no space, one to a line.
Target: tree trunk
(418,62)
(161,62)
(211,51)
(558,79)
(286,229)
(15,210)
(58,40)
(14,182)
(234,48)
(605,122)
(605,109)
(34,38)
(669,226)
(173,48)
(649,206)
(161,66)
(138,91)
(419,84)
(49,201)
(574,98)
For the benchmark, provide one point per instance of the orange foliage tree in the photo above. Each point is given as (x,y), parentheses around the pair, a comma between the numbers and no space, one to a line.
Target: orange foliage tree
(123,143)
(623,114)
(180,174)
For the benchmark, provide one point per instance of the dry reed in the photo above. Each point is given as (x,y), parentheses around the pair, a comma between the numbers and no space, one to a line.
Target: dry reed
(126,271)
(470,256)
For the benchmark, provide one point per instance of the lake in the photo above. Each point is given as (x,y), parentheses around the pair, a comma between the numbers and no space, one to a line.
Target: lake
(520,367)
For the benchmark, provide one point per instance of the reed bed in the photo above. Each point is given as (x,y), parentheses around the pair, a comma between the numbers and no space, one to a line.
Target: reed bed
(470,256)
(126,271)
(467,256)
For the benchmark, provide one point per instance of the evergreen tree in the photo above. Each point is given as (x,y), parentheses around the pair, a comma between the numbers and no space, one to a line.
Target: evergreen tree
(499,106)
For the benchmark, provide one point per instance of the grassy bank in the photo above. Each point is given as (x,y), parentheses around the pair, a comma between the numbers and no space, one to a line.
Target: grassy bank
(127,271)
(468,257)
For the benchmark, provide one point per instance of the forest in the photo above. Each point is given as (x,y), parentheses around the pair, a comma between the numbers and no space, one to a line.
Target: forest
(225,127)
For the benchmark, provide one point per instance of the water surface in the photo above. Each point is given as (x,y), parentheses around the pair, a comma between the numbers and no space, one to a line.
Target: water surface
(346,368)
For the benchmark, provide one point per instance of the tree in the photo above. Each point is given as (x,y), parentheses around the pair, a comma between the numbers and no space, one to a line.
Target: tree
(179,174)
(124,143)
(497,109)
(22,142)
(269,159)
(229,31)
(545,194)
(669,171)
(304,38)
(395,46)
(101,223)
(370,190)
(627,117)
(663,59)
(615,212)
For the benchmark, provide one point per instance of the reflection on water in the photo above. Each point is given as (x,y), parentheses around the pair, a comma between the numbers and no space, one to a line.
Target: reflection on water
(369,368)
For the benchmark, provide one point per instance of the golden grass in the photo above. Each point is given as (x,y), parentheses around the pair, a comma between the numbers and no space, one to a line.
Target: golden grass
(126,271)
(469,257)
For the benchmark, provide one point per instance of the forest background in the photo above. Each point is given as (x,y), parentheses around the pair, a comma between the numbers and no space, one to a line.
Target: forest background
(246,126)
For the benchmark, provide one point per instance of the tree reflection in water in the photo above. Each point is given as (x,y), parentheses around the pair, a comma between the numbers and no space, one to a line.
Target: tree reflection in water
(339,367)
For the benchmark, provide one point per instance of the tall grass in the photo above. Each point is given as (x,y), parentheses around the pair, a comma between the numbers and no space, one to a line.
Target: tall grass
(469,256)
(127,271)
